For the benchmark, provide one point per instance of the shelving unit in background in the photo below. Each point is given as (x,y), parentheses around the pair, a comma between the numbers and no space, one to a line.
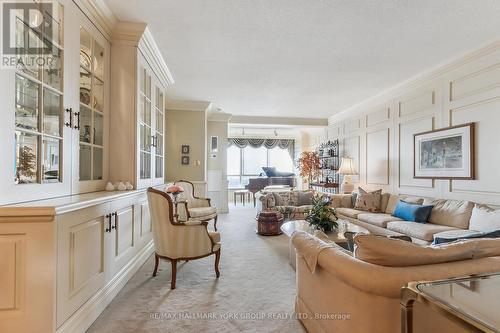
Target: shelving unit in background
(329,180)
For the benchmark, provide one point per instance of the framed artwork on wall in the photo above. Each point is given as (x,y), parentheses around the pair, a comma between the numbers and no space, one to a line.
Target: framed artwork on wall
(185,149)
(446,153)
(185,160)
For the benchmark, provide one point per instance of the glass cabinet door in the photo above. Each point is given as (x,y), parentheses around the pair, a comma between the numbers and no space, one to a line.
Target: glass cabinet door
(159,132)
(146,152)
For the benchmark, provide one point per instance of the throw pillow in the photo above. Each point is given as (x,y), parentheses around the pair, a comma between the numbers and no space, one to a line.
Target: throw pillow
(270,171)
(484,218)
(485,234)
(368,201)
(305,198)
(278,199)
(412,212)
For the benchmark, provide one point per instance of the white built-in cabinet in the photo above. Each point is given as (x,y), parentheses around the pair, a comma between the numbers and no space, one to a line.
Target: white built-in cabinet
(55,108)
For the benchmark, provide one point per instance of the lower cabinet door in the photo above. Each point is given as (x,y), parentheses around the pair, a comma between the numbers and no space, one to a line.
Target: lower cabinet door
(144,230)
(123,247)
(82,247)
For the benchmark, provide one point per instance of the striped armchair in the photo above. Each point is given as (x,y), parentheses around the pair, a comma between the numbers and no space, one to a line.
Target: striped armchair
(193,207)
(174,240)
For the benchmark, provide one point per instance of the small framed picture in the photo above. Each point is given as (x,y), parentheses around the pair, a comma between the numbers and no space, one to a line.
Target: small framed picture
(185,160)
(446,153)
(185,149)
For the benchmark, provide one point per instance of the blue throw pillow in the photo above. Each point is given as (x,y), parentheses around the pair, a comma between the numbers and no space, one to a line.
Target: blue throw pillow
(484,234)
(412,212)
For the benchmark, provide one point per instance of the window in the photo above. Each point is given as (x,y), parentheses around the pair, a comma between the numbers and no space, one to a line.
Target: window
(246,163)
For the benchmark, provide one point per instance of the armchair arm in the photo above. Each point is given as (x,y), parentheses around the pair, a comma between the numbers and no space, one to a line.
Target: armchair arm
(196,202)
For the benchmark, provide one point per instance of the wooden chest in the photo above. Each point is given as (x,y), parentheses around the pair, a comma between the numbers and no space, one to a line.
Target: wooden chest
(269,223)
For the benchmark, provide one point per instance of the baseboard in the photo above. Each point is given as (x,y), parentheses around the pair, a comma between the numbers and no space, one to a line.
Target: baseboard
(83,318)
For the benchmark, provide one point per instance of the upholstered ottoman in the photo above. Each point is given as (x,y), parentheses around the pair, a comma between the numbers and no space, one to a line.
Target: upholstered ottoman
(269,223)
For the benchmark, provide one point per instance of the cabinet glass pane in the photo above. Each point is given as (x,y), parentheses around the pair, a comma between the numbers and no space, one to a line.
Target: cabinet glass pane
(26,158)
(159,99)
(85,49)
(98,60)
(147,113)
(85,162)
(148,85)
(159,121)
(50,171)
(51,112)
(159,167)
(159,144)
(145,165)
(54,16)
(85,84)
(26,103)
(52,73)
(98,94)
(145,136)
(27,42)
(85,124)
(142,80)
(97,163)
(98,129)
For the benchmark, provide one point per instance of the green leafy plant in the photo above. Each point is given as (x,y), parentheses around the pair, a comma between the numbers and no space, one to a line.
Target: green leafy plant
(322,216)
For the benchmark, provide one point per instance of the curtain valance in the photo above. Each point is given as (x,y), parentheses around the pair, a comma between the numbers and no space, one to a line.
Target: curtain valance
(288,144)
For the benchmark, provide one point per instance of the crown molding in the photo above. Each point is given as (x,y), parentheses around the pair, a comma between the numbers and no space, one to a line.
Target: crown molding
(219,116)
(187,105)
(100,14)
(128,33)
(254,120)
(150,50)
(414,82)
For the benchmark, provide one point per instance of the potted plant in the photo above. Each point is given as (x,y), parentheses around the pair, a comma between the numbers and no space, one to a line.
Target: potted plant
(322,216)
(309,165)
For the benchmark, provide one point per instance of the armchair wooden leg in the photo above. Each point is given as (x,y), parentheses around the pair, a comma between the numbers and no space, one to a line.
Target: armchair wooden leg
(217,258)
(174,273)
(157,260)
(215,223)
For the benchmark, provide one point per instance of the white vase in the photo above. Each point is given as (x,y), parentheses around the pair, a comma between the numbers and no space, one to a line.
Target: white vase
(129,186)
(121,186)
(110,187)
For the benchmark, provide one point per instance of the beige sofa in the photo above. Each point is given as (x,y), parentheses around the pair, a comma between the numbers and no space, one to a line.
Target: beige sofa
(446,216)
(345,294)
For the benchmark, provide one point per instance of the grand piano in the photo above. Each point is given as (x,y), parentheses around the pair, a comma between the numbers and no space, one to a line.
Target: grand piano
(257,184)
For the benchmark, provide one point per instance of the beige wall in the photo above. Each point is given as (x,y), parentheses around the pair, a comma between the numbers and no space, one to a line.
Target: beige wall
(185,128)
(379,133)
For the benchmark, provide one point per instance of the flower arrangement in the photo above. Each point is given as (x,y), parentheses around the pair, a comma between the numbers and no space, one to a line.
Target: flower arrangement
(175,190)
(309,165)
(322,216)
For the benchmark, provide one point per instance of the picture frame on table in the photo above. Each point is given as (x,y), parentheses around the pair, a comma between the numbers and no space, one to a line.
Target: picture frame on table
(446,153)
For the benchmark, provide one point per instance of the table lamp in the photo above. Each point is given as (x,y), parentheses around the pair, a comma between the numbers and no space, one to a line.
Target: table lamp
(347,170)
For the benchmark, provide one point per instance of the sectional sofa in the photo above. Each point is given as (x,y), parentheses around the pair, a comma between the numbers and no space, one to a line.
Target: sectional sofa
(448,219)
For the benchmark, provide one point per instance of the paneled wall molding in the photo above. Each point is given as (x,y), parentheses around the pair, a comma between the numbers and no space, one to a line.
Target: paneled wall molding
(415,82)
(466,90)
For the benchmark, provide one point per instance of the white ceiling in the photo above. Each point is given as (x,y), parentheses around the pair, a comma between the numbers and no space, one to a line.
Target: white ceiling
(305,58)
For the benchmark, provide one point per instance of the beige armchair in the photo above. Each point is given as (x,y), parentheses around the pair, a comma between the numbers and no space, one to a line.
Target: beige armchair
(175,240)
(193,207)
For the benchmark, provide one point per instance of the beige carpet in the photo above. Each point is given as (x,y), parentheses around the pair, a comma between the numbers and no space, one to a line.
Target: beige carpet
(256,283)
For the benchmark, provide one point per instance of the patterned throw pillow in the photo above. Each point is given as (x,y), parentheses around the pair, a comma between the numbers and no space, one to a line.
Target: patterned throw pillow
(369,201)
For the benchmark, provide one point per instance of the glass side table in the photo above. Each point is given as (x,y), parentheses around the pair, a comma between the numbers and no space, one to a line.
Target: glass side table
(472,303)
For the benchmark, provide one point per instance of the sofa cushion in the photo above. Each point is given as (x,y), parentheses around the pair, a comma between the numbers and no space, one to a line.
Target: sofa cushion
(455,234)
(369,201)
(384,200)
(412,212)
(340,200)
(349,212)
(378,219)
(453,213)
(393,201)
(478,234)
(484,218)
(424,231)
(305,198)
(397,253)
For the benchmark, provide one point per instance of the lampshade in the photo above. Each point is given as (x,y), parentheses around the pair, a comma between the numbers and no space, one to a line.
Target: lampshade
(347,167)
